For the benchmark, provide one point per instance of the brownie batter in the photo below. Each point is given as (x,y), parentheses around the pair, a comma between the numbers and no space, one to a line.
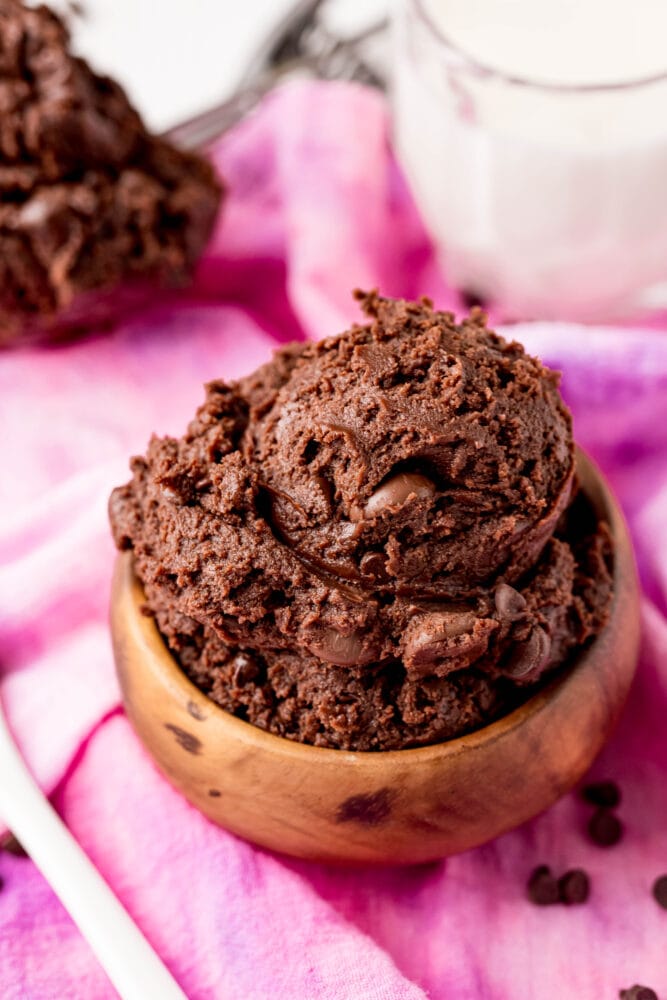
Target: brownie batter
(372,542)
(93,209)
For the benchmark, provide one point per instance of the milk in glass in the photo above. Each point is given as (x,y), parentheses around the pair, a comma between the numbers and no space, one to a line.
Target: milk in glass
(534,136)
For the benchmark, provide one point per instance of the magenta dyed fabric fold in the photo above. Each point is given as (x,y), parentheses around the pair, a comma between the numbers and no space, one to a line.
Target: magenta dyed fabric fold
(317,207)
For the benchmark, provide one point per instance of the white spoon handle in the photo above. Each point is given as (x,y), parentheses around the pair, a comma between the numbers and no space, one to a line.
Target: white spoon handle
(124,953)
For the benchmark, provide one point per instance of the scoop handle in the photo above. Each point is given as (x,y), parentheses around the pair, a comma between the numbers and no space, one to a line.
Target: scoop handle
(133,967)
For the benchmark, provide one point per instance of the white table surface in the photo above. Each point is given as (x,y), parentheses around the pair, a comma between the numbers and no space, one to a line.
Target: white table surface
(179,57)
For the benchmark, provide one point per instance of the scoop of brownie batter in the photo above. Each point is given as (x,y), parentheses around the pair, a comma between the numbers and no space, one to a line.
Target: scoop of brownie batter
(414,456)
(93,209)
(371,542)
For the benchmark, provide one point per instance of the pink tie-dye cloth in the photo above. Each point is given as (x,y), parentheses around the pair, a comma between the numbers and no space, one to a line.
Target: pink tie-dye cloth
(317,207)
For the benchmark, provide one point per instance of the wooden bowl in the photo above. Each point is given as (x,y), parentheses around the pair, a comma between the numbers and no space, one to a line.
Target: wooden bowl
(389,807)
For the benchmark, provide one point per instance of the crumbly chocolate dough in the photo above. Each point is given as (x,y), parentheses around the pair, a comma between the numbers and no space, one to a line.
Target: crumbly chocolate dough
(89,200)
(372,541)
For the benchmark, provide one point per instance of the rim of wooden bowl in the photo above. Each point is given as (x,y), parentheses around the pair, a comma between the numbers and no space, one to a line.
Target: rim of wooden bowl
(128,592)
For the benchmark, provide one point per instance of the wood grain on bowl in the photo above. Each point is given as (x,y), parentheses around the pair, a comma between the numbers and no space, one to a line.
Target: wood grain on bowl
(384,808)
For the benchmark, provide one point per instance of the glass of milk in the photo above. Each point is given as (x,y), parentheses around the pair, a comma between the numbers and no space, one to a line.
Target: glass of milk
(534,137)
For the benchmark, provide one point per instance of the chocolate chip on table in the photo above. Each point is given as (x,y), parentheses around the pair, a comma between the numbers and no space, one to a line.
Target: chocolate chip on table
(574,887)
(471,298)
(638,993)
(77,9)
(604,794)
(605,829)
(543,887)
(660,891)
(12,846)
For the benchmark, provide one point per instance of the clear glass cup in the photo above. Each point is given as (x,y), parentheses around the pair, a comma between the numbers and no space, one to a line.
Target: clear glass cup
(548,200)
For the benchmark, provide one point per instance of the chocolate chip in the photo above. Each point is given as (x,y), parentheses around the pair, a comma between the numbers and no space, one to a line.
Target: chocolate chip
(373,564)
(510,604)
(12,846)
(574,887)
(245,669)
(605,794)
(171,495)
(605,828)
(351,529)
(449,624)
(442,635)
(471,298)
(77,9)
(638,993)
(529,657)
(287,515)
(343,650)
(395,491)
(356,515)
(177,488)
(543,887)
(660,891)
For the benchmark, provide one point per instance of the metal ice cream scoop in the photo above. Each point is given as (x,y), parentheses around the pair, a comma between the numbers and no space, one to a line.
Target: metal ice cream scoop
(123,952)
(305,45)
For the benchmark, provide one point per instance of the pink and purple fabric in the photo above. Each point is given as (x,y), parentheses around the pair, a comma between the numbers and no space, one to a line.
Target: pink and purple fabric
(317,208)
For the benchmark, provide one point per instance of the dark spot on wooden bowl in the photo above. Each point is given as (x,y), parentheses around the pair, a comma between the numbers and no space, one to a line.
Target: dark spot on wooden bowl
(214,793)
(184,739)
(195,711)
(369,810)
